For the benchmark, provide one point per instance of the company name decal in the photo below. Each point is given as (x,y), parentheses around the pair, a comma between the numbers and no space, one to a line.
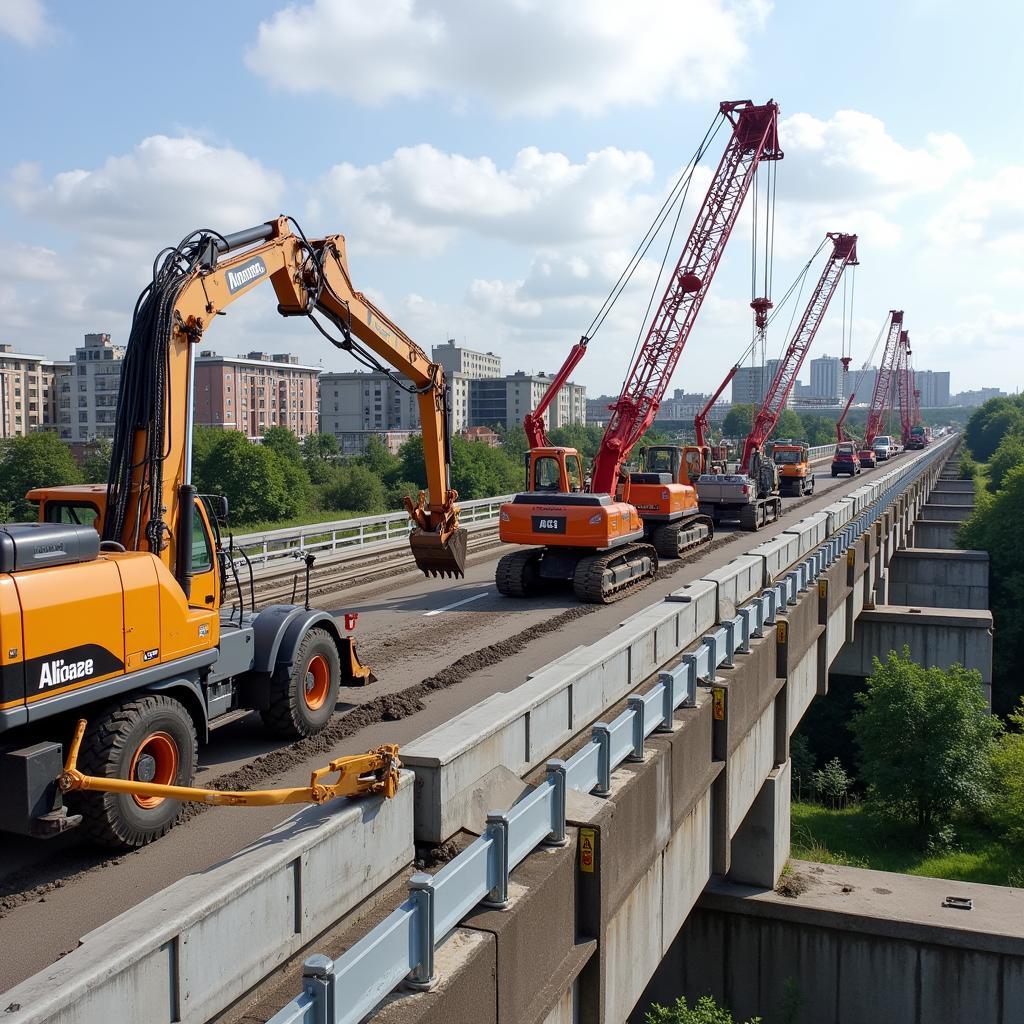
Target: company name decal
(245,274)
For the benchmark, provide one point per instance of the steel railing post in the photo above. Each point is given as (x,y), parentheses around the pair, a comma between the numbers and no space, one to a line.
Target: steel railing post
(421,888)
(668,701)
(497,832)
(639,709)
(318,984)
(556,776)
(601,735)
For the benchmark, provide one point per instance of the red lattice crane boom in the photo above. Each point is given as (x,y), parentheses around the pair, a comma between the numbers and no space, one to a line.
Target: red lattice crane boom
(844,254)
(885,378)
(754,138)
(906,388)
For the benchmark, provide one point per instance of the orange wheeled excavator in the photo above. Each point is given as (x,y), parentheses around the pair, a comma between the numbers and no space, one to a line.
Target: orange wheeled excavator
(115,605)
(606,538)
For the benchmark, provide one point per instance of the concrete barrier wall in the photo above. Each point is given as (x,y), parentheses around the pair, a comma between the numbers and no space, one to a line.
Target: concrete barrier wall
(939,578)
(935,535)
(164,960)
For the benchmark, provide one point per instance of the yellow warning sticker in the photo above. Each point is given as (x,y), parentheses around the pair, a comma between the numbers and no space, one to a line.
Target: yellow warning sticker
(718,703)
(823,589)
(781,630)
(851,557)
(588,842)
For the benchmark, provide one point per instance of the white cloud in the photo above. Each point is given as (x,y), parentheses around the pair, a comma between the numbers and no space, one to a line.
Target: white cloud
(421,198)
(852,155)
(152,195)
(531,57)
(984,213)
(24,21)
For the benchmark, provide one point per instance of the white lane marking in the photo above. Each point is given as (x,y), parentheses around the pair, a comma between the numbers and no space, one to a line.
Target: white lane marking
(448,607)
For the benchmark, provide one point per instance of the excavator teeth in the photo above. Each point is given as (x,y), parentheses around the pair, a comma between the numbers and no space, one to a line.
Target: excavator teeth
(437,558)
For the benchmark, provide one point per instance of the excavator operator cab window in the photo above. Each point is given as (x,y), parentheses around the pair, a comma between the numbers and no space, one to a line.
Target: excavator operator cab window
(75,513)
(694,463)
(574,470)
(661,460)
(547,474)
(202,555)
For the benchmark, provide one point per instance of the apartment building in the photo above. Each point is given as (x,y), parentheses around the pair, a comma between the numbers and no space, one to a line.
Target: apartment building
(751,383)
(826,378)
(86,389)
(466,361)
(254,392)
(27,393)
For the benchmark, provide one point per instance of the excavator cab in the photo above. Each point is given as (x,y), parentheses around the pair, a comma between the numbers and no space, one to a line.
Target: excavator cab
(554,471)
(665,458)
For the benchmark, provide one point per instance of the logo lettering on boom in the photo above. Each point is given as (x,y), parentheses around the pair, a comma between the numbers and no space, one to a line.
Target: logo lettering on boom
(246,273)
(58,672)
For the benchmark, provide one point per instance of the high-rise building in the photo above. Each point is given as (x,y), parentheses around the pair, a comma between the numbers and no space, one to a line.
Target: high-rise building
(751,383)
(826,378)
(934,388)
(476,365)
(255,392)
(27,394)
(93,379)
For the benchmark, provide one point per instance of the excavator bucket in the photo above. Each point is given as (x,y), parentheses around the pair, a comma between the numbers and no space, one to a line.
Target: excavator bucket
(439,558)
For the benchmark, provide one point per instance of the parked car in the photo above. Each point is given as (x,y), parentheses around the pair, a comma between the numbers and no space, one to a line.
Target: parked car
(845,459)
(883,447)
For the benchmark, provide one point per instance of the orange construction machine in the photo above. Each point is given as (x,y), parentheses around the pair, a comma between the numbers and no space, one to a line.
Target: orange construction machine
(115,605)
(606,537)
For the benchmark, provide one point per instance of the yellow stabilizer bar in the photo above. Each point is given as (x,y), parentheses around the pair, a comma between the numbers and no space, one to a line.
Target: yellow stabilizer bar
(357,775)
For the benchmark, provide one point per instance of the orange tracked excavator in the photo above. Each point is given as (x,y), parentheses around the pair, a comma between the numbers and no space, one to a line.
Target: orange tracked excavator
(115,605)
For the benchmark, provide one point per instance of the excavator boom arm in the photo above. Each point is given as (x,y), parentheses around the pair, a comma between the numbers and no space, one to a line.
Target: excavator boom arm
(150,487)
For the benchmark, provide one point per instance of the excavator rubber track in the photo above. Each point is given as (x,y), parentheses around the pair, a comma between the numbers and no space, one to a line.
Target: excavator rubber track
(759,513)
(607,576)
(518,573)
(673,539)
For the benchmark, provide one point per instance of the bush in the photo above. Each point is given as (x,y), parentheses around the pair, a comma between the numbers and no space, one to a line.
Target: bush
(991,422)
(967,466)
(354,488)
(832,783)
(925,737)
(1007,809)
(704,1011)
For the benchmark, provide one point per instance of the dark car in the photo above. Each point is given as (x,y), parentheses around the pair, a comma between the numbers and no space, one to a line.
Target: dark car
(846,460)
(867,458)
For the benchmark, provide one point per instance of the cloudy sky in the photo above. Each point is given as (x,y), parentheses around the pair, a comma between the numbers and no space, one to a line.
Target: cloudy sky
(492,164)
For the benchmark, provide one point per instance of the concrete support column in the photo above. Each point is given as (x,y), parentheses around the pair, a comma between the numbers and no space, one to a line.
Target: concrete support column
(760,847)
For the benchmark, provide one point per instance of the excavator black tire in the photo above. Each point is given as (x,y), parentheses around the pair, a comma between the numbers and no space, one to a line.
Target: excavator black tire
(591,584)
(518,573)
(303,699)
(671,541)
(113,743)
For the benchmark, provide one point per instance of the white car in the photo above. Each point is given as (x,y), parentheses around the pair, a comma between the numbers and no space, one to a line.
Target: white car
(883,447)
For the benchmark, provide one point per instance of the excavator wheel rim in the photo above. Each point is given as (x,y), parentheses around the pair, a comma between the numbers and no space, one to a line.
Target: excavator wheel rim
(317,683)
(161,747)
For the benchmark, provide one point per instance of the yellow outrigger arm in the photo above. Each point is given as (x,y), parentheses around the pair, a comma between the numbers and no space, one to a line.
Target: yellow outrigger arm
(375,772)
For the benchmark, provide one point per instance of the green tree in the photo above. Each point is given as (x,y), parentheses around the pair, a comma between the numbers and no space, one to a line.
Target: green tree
(738,421)
(832,783)
(991,422)
(994,527)
(704,1011)
(802,764)
(379,460)
(36,460)
(96,465)
(256,482)
(1008,779)
(354,488)
(284,444)
(789,425)
(397,492)
(320,448)
(414,464)
(1009,455)
(514,443)
(817,429)
(925,737)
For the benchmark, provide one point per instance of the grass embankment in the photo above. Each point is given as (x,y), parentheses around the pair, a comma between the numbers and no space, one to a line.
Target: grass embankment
(856,837)
(310,519)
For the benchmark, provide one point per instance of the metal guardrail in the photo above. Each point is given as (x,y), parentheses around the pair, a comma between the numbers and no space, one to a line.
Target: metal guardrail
(401,948)
(351,534)
(342,534)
